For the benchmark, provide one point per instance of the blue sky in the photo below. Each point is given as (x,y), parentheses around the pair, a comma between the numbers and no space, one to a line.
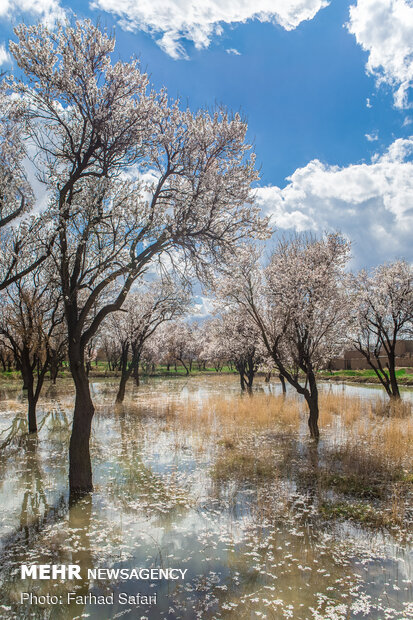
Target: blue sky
(326,89)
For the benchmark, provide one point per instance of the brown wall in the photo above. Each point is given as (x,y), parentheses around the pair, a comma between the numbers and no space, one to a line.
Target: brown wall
(354,360)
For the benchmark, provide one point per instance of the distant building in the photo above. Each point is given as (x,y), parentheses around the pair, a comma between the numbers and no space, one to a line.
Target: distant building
(354,360)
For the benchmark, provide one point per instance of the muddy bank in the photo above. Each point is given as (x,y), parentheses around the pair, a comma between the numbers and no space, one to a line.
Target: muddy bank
(403,381)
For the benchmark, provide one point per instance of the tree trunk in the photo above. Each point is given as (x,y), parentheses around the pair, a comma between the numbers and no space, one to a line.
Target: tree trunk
(240,366)
(395,392)
(136,358)
(242,381)
(313,418)
(80,468)
(54,371)
(120,396)
(312,401)
(31,414)
(136,376)
(284,389)
(250,372)
(125,373)
(28,385)
(184,365)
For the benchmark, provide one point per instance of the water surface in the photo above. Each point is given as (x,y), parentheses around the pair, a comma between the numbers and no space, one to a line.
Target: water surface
(250,550)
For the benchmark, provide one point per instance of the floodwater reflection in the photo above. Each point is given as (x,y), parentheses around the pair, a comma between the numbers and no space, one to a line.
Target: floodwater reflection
(237,506)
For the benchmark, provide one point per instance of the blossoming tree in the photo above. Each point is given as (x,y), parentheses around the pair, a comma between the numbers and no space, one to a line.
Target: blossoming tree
(382,310)
(31,317)
(145,309)
(299,305)
(131,177)
(24,239)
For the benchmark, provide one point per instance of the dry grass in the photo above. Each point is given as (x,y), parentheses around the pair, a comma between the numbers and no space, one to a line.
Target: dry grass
(349,409)
(391,408)
(237,415)
(377,433)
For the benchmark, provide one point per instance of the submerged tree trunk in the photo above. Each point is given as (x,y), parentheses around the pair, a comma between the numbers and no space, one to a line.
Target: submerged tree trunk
(27,369)
(126,373)
(246,370)
(80,468)
(395,392)
(27,376)
(311,397)
(120,396)
(385,374)
(31,413)
(309,391)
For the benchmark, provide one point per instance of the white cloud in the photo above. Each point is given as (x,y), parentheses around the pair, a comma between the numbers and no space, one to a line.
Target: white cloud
(372,137)
(233,51)
(171,21)
(371,203)
(48,11)
(4,55)
(384,28)
(203,306)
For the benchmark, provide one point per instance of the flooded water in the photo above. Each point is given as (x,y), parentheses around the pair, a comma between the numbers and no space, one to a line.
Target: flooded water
(249,548)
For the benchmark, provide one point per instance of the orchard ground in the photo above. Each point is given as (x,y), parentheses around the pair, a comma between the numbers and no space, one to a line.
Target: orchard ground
(189,472)
(101,370)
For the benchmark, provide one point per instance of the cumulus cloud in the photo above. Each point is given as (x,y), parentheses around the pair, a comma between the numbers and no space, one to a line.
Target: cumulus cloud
(371,203)
(384,28)
(172,21)
(48,11)
(233,51)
